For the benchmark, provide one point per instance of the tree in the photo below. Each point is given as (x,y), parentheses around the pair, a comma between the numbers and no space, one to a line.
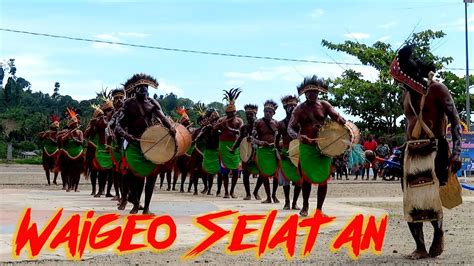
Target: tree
(220,108)
(56,90)
(457,87)
(377,103)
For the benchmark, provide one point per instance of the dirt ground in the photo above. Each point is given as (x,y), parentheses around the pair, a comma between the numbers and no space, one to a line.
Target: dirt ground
(458,227)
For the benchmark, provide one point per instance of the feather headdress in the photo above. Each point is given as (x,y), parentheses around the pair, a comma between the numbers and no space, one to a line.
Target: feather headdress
(139,79)
(200,108)
(312,84)
(182,112)
(72,116)
(231,96)
(411,71)
(251,108)
(270,104)
(289,99)
(55,120)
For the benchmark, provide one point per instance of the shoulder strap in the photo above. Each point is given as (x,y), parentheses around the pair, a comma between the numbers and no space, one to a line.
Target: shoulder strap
(267,123)
(420,124)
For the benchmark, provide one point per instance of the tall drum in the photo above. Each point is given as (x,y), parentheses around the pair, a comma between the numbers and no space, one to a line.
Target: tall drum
(159,146)
(294,152)
(246,150)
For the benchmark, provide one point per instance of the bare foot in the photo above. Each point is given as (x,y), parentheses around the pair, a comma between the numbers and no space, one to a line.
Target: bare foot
(77,190)
(304,212)
(122,205)
(109,195)
(140,207)
(248,197)
(147,211)
(195,193)
(275,199)
(115,198)
(295,207)
(287,206)
(267,201)
(204,191)
(181,191)
(257,197)
(98,195)
(134,210)
(226,196)
(417,254)
(54,182)
(437,246)
(233,195)
(218,193)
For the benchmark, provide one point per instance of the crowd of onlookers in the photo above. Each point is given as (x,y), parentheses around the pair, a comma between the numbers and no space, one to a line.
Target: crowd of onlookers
(373,154)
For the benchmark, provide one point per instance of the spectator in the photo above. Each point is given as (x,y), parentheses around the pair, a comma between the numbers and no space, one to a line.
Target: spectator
(370,145)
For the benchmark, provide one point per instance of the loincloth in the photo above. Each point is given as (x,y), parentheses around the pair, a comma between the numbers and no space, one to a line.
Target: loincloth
(421,200)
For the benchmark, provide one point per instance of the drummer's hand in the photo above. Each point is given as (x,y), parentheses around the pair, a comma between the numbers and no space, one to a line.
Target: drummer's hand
(130,138)
(342,120)
(266,144)
(455,162)
(172,131)
(302,137)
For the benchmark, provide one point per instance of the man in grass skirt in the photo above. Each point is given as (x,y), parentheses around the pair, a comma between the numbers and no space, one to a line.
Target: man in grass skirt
(305,123)
(287,171)
(264,133)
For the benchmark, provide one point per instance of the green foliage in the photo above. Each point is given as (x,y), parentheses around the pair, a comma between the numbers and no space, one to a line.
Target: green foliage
(457,87)
(25,146)
(3,149)
(33,160)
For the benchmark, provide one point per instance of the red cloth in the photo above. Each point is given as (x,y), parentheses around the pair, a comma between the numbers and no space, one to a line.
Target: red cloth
(370,145)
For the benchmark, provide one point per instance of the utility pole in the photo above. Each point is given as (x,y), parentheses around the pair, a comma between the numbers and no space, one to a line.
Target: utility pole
(468,97)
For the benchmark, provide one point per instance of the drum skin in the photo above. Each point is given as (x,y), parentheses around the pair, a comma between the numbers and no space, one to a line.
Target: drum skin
(334,139)
(160,147)
(294,152)
(246,150)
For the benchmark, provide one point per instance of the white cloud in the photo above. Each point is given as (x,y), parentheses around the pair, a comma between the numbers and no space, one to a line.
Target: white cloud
(388,25)
(116,37)
(383,38)
(42,75)
(357,35)
(108,38)
(459,24)
(316,13)
(133,34)
(166,88)
(296,74)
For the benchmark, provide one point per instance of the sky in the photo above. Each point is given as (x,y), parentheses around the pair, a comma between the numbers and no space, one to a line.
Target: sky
(287,29)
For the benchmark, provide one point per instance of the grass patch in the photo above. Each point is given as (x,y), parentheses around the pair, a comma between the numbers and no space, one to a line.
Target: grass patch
(34,160)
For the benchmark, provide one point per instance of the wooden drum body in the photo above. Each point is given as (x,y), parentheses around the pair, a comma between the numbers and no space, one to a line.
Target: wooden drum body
(159,146)
(334,139)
